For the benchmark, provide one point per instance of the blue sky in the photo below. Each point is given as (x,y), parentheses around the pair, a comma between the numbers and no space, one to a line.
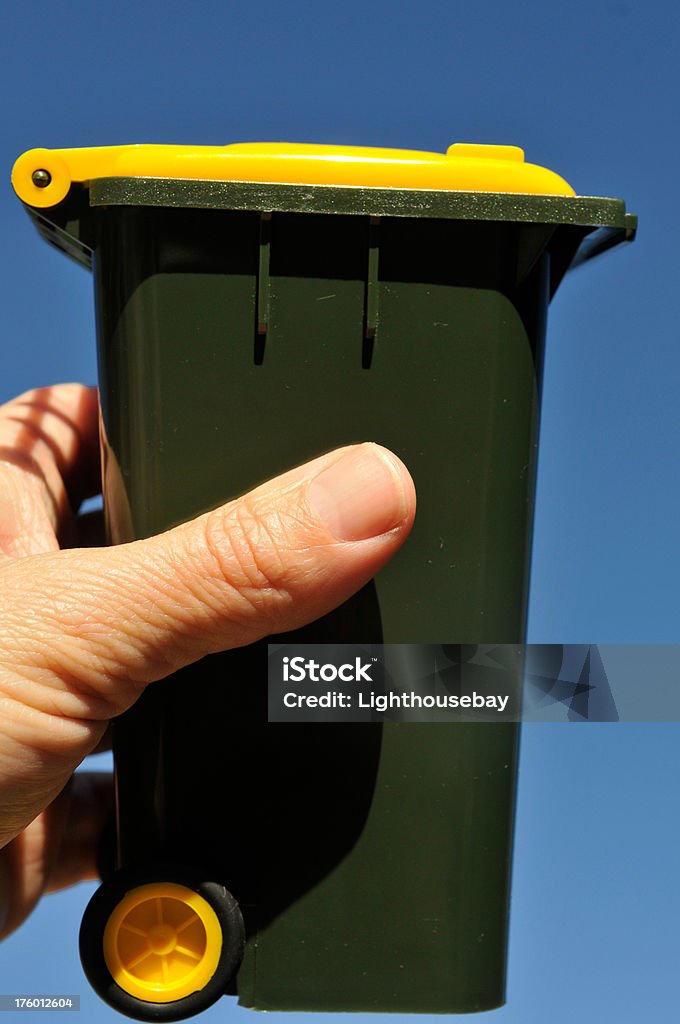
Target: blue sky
(588,89)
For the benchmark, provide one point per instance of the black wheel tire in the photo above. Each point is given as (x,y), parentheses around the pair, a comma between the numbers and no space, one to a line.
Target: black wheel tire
(101,907)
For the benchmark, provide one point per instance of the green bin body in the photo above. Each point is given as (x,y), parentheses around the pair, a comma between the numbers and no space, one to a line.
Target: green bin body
(244,328)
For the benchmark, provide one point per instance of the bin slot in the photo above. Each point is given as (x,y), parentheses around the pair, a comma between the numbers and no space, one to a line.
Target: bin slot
(263,289)
(371,294)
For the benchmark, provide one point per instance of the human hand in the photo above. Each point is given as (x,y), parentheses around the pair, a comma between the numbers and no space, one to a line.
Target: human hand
(84,629)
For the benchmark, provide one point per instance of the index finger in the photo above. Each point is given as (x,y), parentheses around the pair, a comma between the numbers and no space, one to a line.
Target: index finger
(49,463)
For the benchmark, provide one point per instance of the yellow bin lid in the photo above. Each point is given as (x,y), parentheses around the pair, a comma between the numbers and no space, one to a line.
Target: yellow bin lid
(42,177)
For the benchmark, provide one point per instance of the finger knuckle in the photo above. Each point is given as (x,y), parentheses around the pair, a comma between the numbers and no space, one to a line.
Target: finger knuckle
(247,552)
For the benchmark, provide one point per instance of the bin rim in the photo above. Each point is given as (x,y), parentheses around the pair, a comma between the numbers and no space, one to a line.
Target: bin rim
(582,211)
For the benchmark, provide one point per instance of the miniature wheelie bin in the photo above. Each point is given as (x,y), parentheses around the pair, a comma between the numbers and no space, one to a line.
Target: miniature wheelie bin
(258,305)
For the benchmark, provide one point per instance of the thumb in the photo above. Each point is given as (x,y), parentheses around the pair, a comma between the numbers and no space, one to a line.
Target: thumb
(83,631)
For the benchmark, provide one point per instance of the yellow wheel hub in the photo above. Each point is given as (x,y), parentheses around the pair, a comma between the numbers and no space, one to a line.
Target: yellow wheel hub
(162,942)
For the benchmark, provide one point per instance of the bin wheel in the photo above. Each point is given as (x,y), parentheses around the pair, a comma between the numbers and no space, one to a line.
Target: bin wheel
(161,946)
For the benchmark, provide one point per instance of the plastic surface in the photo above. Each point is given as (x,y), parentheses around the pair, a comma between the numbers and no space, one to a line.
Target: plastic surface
(233,346)
(242,329)
(135,910)
(162,942)
(464,167)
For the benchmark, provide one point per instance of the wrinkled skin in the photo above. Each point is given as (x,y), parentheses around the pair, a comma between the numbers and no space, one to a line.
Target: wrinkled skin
(84,628)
